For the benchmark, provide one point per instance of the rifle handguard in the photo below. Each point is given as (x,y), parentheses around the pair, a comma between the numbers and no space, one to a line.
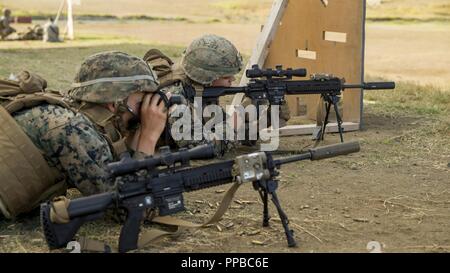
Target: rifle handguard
(334,150)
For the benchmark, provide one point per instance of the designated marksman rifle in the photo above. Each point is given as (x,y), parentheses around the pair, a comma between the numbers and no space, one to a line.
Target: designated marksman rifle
(272,86)
(165,179)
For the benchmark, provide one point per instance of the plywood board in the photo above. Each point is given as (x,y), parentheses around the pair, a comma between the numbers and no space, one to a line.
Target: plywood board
(332,36)
(302,28)
(261,49)
(306,54)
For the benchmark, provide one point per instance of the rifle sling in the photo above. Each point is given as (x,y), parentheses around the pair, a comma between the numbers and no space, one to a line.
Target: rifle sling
(152,235)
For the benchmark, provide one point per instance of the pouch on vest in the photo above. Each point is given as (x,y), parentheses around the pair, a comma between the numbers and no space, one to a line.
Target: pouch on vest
(27,179)
(27,83)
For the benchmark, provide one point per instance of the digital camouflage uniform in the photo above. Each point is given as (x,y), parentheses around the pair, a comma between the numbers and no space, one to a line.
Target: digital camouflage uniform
(221,146)
(207,59)
(69,142)
(5,28)
(73,143)
(51,32)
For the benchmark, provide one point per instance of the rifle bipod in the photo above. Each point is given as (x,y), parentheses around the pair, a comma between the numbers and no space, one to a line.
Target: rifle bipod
(331,100)
(264,188)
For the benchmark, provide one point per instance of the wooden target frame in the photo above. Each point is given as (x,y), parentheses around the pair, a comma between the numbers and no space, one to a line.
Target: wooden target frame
(323,36)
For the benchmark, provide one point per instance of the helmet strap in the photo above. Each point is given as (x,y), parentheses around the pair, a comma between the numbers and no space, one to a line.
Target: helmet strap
(120,109)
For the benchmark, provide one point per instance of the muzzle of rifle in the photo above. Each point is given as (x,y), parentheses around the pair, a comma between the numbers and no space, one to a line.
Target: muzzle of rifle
(334,150)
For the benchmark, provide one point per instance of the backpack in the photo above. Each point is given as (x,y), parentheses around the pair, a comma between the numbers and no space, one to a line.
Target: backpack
(171,74)
(167,71)
(28,180)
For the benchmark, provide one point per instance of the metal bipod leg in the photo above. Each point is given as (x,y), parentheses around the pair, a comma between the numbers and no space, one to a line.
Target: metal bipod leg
(264,197)
(284,220)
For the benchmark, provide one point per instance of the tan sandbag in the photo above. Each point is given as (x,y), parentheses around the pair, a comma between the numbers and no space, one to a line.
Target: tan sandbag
(9,88)
(158,61)
(31,83)
(167,71)
(27,83)
(25,101)
(24,173)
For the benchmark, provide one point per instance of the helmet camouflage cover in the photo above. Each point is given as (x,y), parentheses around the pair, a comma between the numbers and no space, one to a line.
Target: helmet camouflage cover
(112,76)
(209,58)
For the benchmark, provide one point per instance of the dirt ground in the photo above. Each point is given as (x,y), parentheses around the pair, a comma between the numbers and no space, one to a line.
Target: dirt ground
(395,192)
(417,53)
(193,9)
(401,52)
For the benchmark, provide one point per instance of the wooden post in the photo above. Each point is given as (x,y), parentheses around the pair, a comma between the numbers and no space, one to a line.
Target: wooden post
(61,7)
(261,49)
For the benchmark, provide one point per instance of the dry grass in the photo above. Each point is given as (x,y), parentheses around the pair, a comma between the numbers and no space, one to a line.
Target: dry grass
(216,10)
(224,10)
(410,11)
(58,65)
(409,98)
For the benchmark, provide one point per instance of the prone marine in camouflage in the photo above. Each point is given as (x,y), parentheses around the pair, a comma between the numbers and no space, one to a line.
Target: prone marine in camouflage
(31,33)
(34,33)
(210,60)
(80,141)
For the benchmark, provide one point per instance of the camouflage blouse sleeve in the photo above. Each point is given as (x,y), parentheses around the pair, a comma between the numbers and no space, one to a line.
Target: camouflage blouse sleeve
(82,153)
(221,146)
(3,23)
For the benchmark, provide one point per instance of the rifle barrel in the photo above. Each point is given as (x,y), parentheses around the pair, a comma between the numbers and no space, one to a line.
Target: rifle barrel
(293,158)
(334,150)
(371,85)
(322,152)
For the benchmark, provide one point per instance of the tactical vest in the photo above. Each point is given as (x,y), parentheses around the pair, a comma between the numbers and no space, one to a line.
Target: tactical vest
(27,179)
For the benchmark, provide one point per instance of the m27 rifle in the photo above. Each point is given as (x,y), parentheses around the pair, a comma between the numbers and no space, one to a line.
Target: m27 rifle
(273,85)
(162,184)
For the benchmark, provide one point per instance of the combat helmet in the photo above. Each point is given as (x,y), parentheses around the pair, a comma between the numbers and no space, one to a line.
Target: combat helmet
(209,58)
(112,76)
